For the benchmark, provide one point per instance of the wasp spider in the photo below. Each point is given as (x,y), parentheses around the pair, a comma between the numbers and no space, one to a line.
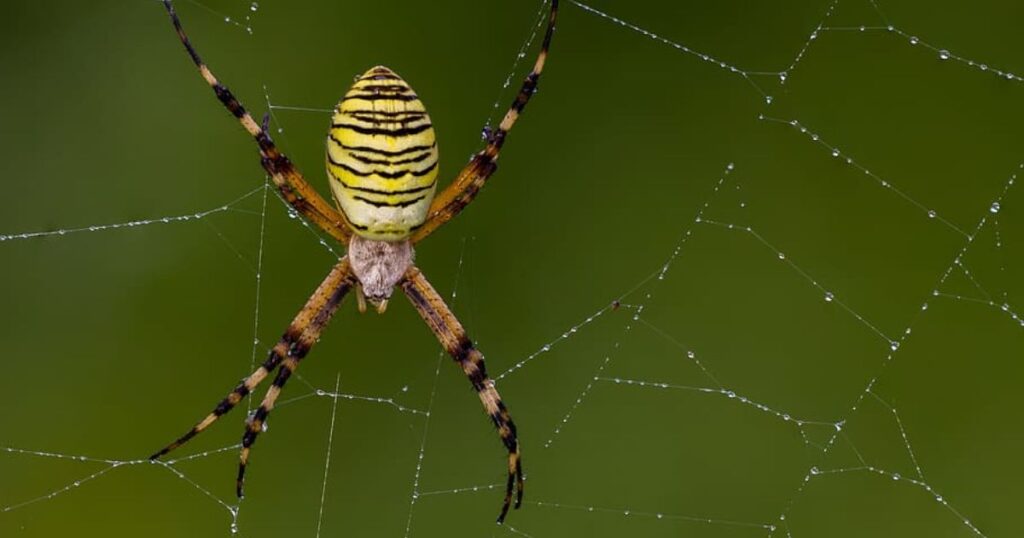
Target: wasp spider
(382,167)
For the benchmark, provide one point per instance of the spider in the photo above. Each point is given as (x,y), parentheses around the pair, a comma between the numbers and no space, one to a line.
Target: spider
(382,168)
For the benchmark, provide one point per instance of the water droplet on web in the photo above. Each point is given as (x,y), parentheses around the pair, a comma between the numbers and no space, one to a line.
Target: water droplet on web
(943,54)
(829,296)
(983,67)
(835,152)
(913,40)
(994,208)
(768,99)
(782,76)
(896,476)
(814,35)
(814,470)
(691,354)
(254,6)
(234,528)
(931,213)
(894,345)
(785,417)
(782,256)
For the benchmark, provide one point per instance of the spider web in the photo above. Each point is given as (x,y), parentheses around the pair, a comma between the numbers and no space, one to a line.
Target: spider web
(746,271)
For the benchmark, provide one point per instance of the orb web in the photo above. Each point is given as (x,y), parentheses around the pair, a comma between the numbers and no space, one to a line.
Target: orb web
(818,331)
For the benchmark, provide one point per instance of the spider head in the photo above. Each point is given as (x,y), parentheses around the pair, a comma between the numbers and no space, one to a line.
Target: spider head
(379,266)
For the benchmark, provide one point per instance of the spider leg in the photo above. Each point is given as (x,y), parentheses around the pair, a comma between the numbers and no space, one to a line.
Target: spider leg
(452,336)
(292,186)
(302,333)
(471,179)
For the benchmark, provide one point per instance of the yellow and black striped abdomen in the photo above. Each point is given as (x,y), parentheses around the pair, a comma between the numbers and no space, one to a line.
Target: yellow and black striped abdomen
(382,156)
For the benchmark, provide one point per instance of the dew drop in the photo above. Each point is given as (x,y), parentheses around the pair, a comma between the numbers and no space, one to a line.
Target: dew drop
(894,345)
(254,6)
(931,213)
(994,208)
(835,152)
(896,476)
(943,54)
(913,40)
(782,256)
(829,296)
(814,470)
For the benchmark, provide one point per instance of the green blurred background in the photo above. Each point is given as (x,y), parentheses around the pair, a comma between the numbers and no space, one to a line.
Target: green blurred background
(118,339)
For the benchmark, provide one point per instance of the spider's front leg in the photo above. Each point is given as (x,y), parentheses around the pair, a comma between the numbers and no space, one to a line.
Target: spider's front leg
(303,332)
(449,331)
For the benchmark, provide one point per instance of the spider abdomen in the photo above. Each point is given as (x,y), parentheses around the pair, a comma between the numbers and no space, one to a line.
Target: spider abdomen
(382,156)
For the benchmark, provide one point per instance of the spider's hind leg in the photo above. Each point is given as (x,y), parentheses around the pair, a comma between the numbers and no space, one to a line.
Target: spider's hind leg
(452,336)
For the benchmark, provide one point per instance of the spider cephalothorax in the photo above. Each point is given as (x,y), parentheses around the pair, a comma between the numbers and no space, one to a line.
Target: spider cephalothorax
(382,163)
(379,266)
